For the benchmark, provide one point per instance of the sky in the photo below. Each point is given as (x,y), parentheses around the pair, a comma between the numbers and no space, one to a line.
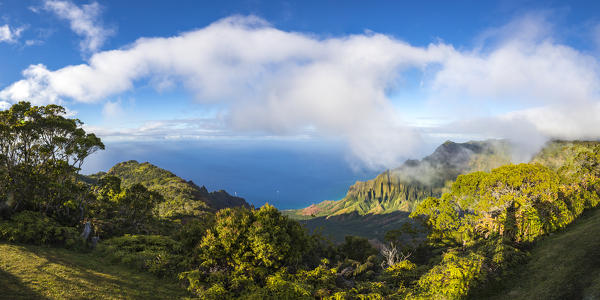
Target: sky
(369,84)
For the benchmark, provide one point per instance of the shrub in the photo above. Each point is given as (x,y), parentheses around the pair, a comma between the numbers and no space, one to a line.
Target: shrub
(400,273)
(282,286)
(35,228)
(356,248)
(159,255)
(193,230)
(452,278)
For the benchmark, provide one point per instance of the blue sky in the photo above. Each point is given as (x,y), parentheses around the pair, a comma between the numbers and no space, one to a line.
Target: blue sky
(375,82)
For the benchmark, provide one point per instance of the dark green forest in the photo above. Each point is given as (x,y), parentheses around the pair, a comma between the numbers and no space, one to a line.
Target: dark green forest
(462,244)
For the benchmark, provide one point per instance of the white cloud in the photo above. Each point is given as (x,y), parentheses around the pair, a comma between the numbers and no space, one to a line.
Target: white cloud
(288,83)
(10,35)
(182,129)
(83,20)
(4,105)
(112,109)
(520,71)
(36,88)
(30,43)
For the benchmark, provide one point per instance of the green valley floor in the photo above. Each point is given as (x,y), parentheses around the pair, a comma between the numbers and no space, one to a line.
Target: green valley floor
(34,272)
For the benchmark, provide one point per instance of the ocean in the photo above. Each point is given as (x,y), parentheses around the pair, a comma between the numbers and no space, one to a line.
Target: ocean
(287,174)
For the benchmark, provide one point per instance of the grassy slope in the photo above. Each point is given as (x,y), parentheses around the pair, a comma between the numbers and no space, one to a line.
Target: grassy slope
(565,265)
(34,272)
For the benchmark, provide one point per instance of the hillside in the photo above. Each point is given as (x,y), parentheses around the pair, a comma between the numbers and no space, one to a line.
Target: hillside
(558,153)
(401,188)
(181,197)
(565,265)
(34,272)
(371,226)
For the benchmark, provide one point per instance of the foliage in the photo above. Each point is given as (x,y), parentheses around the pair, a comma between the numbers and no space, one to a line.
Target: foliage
(302,285)
(40,153)
(36,228)
(156,254)
(517,202)
(245,246)
(193,230)
(359,269)
(452,278)
(486,219)
(401,273)
(119,210)
(356,248)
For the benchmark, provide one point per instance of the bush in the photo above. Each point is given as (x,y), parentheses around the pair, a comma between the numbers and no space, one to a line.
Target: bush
(159,255)
(282,286)
(193,230)
(452,278)
(401,273)
(356,248)
(35,228)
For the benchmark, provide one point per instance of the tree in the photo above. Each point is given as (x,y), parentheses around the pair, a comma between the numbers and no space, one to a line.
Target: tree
(122,210)
(452,278)
(580,179)
(244,247)
(356,248)
(517,202)
(41,152)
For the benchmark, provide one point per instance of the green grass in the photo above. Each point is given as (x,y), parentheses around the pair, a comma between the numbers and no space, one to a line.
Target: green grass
(565,265)
(35,272)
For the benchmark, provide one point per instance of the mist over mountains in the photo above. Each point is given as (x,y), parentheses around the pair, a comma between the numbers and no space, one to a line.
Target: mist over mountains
(399,189)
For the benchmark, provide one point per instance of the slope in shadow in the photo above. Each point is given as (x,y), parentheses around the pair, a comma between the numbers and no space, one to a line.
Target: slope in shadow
(11,287)
(565,265)
(371,226)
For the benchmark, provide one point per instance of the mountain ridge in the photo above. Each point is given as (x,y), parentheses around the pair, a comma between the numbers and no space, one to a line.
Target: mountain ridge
(182,197)
(399,189)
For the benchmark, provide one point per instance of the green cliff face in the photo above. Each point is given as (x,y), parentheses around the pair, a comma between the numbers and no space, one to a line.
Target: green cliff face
(401,188)
(386,193)
(182,198)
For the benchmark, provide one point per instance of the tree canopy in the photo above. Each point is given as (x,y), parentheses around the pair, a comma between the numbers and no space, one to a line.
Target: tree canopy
(41,151)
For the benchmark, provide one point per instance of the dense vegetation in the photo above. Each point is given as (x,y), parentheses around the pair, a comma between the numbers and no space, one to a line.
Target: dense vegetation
(40,150)
(476,232)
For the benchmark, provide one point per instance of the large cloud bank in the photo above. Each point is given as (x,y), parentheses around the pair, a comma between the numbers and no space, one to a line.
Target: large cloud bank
(286,83)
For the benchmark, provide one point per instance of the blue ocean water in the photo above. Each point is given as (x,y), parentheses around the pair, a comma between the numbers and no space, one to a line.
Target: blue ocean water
(287,174)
